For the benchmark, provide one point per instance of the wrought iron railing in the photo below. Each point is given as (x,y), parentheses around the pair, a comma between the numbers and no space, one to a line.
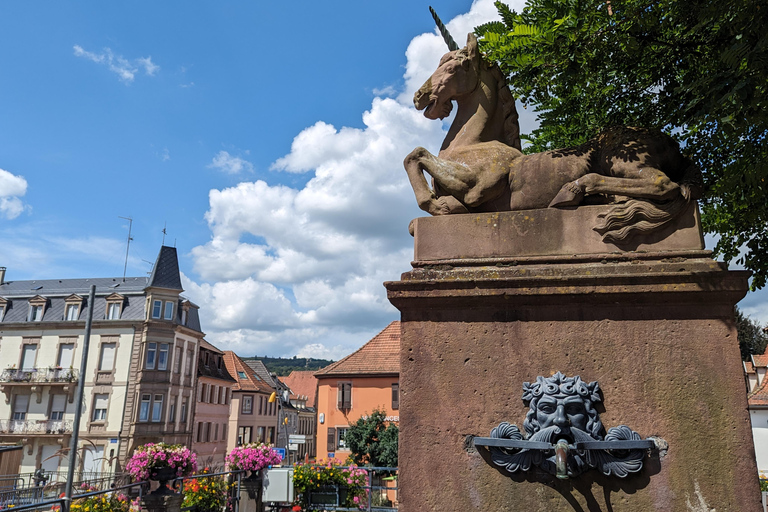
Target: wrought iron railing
(35,427)
(37,375)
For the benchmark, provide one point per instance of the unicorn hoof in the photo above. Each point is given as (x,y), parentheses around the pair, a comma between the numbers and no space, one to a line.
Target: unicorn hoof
(568,196)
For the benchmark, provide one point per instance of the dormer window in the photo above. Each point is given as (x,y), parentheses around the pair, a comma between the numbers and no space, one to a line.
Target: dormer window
(114,306)
(72,307)
(3,307)
(35,313)
(73,311)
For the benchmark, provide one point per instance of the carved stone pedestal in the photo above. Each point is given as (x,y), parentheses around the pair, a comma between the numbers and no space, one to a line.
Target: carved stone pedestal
(655,328)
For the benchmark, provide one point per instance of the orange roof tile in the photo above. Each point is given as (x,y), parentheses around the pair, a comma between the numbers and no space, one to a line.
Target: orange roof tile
(379,356)
(748,367)
(302,383)
(236,367)
(760,395)
(760,359)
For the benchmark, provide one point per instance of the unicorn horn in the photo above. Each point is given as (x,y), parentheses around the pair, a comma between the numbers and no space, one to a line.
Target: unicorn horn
(444,31)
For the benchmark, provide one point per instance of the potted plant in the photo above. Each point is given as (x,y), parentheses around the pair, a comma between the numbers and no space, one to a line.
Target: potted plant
(329,484)
(162,462)
(206,494)
(112,502)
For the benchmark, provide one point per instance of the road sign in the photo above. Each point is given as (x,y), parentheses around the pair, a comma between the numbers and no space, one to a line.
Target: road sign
(280,451)
(297,439)
(293,447)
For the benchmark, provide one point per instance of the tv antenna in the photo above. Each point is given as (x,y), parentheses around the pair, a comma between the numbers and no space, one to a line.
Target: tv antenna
(164,231)
(128,244)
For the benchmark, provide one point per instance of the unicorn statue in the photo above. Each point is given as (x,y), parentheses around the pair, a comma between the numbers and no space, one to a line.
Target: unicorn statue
(481,168)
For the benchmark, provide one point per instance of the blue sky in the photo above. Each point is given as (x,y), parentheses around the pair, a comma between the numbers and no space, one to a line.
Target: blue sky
(267,137)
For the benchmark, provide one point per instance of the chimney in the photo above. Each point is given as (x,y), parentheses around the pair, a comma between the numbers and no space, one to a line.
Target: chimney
(2,275)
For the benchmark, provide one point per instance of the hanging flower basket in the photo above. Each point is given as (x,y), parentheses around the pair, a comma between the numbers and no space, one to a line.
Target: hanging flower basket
(162,462)
(252,457)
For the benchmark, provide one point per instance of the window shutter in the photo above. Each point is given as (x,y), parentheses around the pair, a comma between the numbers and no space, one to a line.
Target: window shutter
(395,396)
(347,396)
(340,396)
(331,439)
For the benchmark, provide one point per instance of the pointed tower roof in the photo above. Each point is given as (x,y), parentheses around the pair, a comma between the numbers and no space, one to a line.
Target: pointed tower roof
(165,273)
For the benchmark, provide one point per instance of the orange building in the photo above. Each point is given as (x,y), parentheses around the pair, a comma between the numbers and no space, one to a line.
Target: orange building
(353,387)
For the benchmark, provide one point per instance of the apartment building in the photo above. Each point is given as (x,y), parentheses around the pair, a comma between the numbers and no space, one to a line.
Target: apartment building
(140,375)
(253,418)
(212,409)
(354,386)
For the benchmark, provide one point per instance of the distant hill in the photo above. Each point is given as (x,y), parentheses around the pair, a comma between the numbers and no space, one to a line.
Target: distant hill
(283,366)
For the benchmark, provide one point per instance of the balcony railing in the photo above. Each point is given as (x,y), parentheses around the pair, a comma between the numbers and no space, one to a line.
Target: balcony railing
(35,427)
(38,375)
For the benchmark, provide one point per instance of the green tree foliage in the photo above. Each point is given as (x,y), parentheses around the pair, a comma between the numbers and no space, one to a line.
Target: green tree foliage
(372,441)
(697,69)
(752,338)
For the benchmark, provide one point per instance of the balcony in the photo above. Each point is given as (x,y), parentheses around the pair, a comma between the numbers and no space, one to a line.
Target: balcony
(39,375)
(36,427)
(35,379)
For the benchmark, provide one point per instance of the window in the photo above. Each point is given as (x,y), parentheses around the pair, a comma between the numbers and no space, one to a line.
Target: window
(215,395)
(241,375)
(100,407)
(35,313)
(66,353)
(216,432)
(20,407)
(172,411)
(113,311)
(223,431)
(184,411)
(58,406)
(144,407)
(73,311)
(183,317)
(395,396)
(162,357)
(151,356)
(189,363)
(168,311)
(247,407)
(29,354)
(340,433)
(157,408)
(2,311)
(261,400)
(344,395)
(261,432)
(244,435)
(202,392)
(207,431)
(199,431)
(107,357)
(177,360)
(156,307)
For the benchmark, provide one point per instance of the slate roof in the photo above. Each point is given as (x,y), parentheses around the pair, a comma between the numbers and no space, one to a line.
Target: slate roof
(303,383)
(18,293)
(165,273)
(260,369)
(251,382)
(380,356)
(211,370)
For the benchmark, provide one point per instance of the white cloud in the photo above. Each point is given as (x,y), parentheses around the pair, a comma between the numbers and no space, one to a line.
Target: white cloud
(300,271)
(229,164)
(124,68)
(12,188)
